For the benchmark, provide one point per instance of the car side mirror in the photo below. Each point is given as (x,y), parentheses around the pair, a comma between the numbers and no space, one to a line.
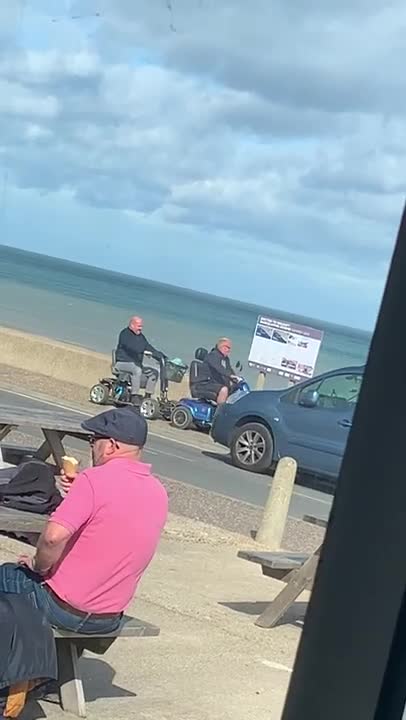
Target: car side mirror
(309,398)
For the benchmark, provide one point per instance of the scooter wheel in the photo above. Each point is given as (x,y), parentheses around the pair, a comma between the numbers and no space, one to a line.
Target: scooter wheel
(149,409)
(99,394)
(182,418)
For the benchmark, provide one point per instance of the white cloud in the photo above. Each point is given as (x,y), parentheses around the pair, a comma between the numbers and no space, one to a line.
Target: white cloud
(36,132)
(18,100)
(272,123)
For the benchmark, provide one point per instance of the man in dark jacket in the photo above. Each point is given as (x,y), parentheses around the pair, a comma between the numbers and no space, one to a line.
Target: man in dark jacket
(217,375)
(132,344)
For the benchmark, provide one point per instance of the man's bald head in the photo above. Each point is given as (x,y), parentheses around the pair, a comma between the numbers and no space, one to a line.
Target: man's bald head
(136,324)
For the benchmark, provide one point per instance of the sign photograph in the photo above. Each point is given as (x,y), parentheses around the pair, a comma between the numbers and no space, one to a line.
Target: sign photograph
(286,348)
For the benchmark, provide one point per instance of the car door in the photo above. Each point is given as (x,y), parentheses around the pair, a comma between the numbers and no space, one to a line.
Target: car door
(316,436)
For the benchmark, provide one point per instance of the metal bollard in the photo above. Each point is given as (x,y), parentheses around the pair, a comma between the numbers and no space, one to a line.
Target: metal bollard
(272,527)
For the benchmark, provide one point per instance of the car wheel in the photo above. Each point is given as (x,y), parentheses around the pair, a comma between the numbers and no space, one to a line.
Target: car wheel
(182,418)
(99,394)
(252,447)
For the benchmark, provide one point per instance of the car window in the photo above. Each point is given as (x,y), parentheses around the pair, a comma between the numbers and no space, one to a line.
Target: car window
(337,392)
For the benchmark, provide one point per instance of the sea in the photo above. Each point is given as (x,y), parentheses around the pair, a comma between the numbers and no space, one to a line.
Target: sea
(88,306)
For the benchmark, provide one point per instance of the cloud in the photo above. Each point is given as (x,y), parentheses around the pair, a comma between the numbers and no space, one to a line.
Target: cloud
(18,101)
(302,55)
(276,125)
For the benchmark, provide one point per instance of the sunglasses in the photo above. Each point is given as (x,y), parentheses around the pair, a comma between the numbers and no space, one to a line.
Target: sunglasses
(94,438)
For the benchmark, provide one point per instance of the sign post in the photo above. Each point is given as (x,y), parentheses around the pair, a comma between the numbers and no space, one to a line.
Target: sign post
(283,348)
(261,379)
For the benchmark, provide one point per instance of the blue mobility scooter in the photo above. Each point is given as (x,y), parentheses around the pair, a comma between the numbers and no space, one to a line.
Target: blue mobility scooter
(197,411)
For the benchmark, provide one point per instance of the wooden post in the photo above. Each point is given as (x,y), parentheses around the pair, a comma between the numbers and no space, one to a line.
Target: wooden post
(261,380)
(270,532)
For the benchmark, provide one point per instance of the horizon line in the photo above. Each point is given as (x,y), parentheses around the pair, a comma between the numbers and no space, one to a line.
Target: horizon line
(115,273)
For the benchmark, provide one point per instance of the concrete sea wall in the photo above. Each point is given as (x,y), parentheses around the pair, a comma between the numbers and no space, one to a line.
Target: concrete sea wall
(62,361)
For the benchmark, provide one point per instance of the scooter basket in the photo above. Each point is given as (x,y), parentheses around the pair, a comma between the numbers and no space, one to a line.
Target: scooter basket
(174,372)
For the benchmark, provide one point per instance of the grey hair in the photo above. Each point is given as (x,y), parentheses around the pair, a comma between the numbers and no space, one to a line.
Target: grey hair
(222,340)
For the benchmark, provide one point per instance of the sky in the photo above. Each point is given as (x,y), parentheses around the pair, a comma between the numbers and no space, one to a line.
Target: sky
(254,150)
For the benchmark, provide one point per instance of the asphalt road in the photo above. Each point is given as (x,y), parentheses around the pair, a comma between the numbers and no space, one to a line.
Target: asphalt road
(203,469)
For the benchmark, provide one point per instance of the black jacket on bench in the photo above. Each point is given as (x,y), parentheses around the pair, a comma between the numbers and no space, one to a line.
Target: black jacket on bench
(30,486)
(27,647)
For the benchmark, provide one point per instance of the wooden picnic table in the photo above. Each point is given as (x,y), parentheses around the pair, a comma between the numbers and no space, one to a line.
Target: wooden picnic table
(53,425)
(20,522)
(296,569)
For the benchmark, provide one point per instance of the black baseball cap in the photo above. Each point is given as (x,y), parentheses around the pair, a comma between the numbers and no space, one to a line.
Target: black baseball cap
(123,424)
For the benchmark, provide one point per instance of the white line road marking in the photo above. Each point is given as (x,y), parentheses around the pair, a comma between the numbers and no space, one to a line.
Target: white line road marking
(275,665)
(39,398)
(311,497)
(179,442)
(157,451)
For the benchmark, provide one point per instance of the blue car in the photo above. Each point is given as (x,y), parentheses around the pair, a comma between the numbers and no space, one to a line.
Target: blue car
(309,422)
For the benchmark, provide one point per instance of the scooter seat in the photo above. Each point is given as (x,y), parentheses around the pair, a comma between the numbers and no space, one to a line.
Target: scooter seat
(121,376)
(204,400)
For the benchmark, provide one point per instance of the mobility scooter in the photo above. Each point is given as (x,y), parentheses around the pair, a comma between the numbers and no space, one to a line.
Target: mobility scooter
(197,411)
(116,390)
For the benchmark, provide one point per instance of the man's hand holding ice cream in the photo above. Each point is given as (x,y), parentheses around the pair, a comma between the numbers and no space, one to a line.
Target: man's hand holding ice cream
(69,471)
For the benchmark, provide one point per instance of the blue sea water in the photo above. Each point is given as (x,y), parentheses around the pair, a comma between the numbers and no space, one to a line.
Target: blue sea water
(88,306)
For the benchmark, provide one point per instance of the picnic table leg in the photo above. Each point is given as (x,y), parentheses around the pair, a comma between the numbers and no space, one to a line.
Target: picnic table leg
(52,446)
(5,430)
(69,677)
(299,580)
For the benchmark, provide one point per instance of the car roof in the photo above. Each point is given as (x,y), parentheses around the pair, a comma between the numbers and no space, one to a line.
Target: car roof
(350,370)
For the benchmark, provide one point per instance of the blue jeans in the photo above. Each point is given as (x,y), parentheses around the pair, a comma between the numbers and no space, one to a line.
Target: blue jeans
(19,580)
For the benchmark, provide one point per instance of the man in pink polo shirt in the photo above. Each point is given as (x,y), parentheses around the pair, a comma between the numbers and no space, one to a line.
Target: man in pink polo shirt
(99,541)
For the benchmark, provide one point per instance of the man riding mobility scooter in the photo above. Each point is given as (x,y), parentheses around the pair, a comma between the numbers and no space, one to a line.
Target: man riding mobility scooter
(116,390)
(196,410)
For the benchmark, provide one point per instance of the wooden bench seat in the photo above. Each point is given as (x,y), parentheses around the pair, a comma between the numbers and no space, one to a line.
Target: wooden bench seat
(275,564)
(14,454)
(69,648)
(296,569)
(18,521)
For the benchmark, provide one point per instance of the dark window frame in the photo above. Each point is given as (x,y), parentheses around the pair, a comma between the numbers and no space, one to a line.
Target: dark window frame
(351,661)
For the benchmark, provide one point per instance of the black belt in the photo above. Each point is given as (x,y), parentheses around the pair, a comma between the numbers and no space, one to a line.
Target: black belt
(79,613)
